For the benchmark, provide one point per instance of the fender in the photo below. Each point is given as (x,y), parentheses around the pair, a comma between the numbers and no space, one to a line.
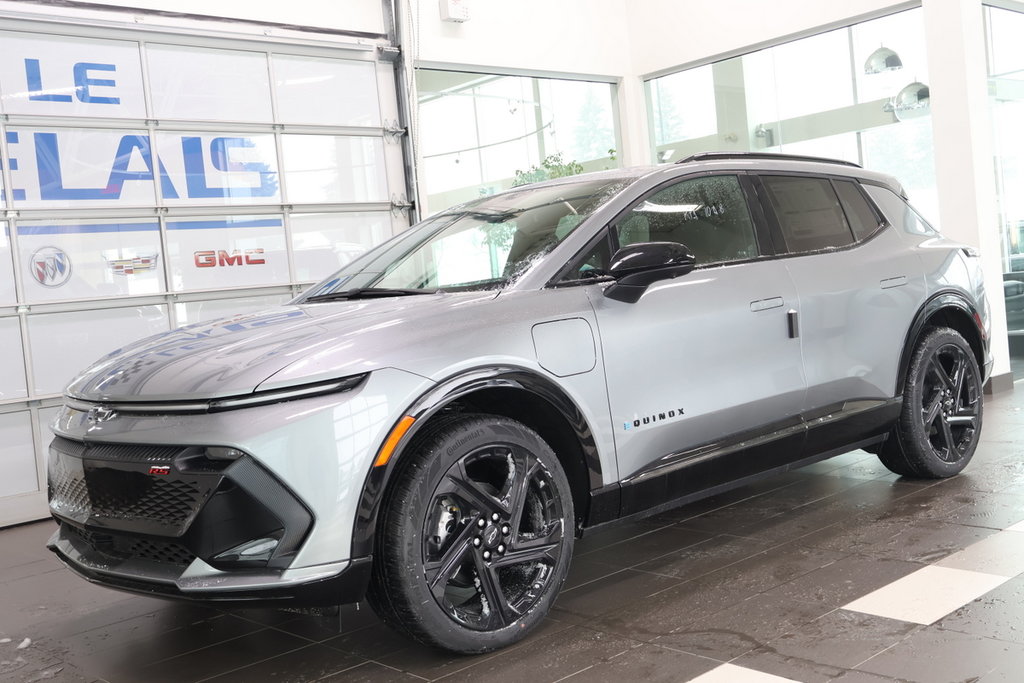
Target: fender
(939,301)
(443,394)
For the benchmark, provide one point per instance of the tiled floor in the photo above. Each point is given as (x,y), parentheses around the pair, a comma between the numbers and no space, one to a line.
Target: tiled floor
(839,571)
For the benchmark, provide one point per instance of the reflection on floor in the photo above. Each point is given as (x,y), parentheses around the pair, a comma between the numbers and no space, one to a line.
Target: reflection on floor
(839,571)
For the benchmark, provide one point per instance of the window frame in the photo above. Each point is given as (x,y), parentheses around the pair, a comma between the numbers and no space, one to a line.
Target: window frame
(762,237)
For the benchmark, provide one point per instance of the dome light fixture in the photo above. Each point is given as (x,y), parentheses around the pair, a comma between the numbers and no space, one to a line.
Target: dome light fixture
(882,59)
(912,102)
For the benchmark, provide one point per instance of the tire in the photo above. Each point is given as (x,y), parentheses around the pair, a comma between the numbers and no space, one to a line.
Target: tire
(475,536)
(940,424)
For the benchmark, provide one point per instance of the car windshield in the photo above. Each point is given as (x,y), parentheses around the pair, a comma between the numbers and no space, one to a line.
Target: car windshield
(484,244)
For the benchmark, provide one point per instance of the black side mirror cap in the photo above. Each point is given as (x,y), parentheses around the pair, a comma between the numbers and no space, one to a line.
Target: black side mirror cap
(638,266)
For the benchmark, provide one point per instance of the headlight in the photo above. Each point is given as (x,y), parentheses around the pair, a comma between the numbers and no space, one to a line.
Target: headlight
(256,398)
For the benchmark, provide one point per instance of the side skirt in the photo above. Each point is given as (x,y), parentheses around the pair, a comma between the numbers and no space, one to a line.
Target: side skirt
(681,478)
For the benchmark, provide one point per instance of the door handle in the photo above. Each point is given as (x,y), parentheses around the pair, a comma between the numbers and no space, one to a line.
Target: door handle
(765,304)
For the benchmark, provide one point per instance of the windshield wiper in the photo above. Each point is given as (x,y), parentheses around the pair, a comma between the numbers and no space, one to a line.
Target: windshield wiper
(366,293)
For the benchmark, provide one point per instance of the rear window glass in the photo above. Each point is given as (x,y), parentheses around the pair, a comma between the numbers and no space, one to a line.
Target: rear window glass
(809,213)
(898,212)
(859,213)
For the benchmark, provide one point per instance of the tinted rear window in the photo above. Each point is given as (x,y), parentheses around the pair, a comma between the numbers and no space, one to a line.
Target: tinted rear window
(809,213)
(858,212)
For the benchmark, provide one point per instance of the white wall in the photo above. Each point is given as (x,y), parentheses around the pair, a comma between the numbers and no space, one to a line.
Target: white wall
(352,15)
(667,33)
(561,36)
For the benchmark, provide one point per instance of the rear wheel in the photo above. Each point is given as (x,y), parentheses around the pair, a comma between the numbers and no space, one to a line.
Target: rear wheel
(940,425)
(476,536)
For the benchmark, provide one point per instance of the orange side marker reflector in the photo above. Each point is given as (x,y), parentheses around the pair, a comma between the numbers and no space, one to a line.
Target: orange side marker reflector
(391,443)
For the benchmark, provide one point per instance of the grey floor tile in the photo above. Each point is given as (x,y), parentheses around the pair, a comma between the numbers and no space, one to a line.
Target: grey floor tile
(564,653)
(743,627)
(647,663)
(844,580)
(307,664)
(998,614)
(936,654)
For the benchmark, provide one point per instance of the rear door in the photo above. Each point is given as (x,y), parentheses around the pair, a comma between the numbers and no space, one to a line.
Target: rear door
(859,288)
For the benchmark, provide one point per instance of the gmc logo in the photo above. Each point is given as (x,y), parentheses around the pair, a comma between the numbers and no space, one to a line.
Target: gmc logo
(211,259)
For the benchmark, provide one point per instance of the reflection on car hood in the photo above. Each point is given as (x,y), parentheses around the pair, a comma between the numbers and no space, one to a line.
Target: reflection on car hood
(277,347)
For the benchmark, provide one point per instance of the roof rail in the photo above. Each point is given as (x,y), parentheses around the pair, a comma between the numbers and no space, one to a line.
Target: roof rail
(711,156)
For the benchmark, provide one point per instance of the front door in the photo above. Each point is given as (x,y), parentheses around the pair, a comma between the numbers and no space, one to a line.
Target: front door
(703,358)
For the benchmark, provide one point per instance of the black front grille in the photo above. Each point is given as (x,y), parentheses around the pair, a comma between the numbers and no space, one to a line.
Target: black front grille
(118,548)
(106,486)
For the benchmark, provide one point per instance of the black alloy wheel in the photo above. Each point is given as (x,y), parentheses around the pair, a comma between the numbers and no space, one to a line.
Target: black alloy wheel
(483,511)
(940,424)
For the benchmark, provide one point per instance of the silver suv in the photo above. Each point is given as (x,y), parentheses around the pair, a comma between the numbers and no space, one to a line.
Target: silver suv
(433,425)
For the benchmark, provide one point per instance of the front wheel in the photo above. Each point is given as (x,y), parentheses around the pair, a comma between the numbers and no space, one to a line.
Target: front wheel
(476,535)
(939,427)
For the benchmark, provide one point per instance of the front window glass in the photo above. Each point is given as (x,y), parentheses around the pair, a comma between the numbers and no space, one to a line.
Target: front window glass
(708,215)
(482,245)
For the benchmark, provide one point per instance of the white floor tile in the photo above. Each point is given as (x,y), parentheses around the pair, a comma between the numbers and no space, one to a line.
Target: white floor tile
(730,673)
(1019,526)
(927,595)
(1001,554)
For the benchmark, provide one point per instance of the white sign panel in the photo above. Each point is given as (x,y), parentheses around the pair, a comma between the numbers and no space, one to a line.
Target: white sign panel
(62,76)
(330,92)
(90,259)
(225,252)
(334,168)
(208,84)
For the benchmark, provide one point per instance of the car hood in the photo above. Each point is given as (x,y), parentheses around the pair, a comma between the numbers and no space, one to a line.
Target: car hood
(273,348)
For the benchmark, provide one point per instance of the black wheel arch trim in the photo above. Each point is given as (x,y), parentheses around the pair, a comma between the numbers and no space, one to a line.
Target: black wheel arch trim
(442,395)
(937,302)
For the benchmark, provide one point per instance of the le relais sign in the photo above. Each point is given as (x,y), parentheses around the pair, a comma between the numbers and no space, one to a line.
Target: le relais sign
(71,164)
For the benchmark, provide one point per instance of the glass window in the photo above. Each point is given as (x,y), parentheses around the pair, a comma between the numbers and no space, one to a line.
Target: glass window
(209,85)
(808,212)
(17,455)
(824,95)
(70,76)
(203,311)
(898,212)
(330,92)
(708,215)
(64,343)
(7,291)
(12,365)
(226,251)
(859,213)
(324,242)
(58,168)
(90,259)
(218,168)
(334,168)
(481,133)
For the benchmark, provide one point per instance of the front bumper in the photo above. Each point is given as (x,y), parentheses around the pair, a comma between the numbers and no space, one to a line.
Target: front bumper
(332,584)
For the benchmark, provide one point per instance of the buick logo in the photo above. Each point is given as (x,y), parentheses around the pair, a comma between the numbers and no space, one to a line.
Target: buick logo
(98,414)
(50,267)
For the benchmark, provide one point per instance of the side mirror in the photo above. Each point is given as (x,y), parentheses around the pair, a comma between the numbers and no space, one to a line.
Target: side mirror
(638,266)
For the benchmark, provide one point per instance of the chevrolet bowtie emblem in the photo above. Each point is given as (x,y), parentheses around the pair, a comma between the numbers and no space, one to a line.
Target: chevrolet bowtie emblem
(98,414)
